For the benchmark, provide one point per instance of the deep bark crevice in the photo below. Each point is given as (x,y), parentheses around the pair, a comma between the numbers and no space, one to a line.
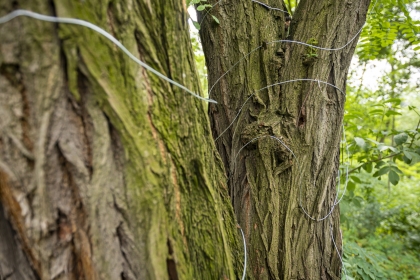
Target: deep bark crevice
(16,266)
(130,269)
(81,247)
(111,18)
(170,263)
(88,127)
(14,75)
(14,216)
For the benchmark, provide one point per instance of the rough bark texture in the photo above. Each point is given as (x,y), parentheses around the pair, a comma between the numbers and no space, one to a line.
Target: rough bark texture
(266,181)
(107,171)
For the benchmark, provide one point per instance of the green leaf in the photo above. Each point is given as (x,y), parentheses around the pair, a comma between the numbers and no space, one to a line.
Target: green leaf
(395,101)
(216,19)
(406,159)
(381,171)
(357,201)
(373,141)
(412,157)
(360,142)
(400,138)
(368,167)
(197,25)
(351,186)
(376,112)
(202,7)
(393,177)
(382,148)
(379,164)
(392,113)
(356,179)
(408,154)
(396,169)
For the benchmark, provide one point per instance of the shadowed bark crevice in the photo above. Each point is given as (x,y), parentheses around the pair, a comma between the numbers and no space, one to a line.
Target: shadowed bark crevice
(130,266)
(87,122)
(13,262)
(170,263)
(75,219)
(13,74)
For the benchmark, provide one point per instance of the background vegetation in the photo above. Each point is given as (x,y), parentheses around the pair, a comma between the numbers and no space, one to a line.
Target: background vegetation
(380,212)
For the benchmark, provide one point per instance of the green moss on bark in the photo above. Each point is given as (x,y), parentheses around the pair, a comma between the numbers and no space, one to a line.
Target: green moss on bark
(168,206)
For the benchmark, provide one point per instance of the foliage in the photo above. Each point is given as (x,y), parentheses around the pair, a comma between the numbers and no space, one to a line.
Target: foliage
(199,60)
(378,143)
(388,21)
(200,6)
(380,212)
(311,52)
(370,263)
(291,5)
(381,233)
(379,147)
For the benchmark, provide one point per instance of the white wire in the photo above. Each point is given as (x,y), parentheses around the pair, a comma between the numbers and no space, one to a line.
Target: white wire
(89,25)
(347,167)
(317,220)
(224,74)
(313,46)
(265,5)
(300,183)
(256,138)
(245,258)
(287,41)
(272,85)
(336,202)
(273,42)
(336,248)
(254,50)
(269,7)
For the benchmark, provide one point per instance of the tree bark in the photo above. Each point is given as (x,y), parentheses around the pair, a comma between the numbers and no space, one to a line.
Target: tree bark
(106,170)
(271,186)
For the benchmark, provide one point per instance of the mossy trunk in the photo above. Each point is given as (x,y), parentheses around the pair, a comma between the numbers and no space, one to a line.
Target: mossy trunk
(272,187)
(106,170)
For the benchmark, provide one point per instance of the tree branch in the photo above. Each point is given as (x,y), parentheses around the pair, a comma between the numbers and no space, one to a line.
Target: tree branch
(376,160)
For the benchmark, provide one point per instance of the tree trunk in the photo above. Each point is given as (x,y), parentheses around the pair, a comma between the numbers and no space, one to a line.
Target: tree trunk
(106,170)
(282,152)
